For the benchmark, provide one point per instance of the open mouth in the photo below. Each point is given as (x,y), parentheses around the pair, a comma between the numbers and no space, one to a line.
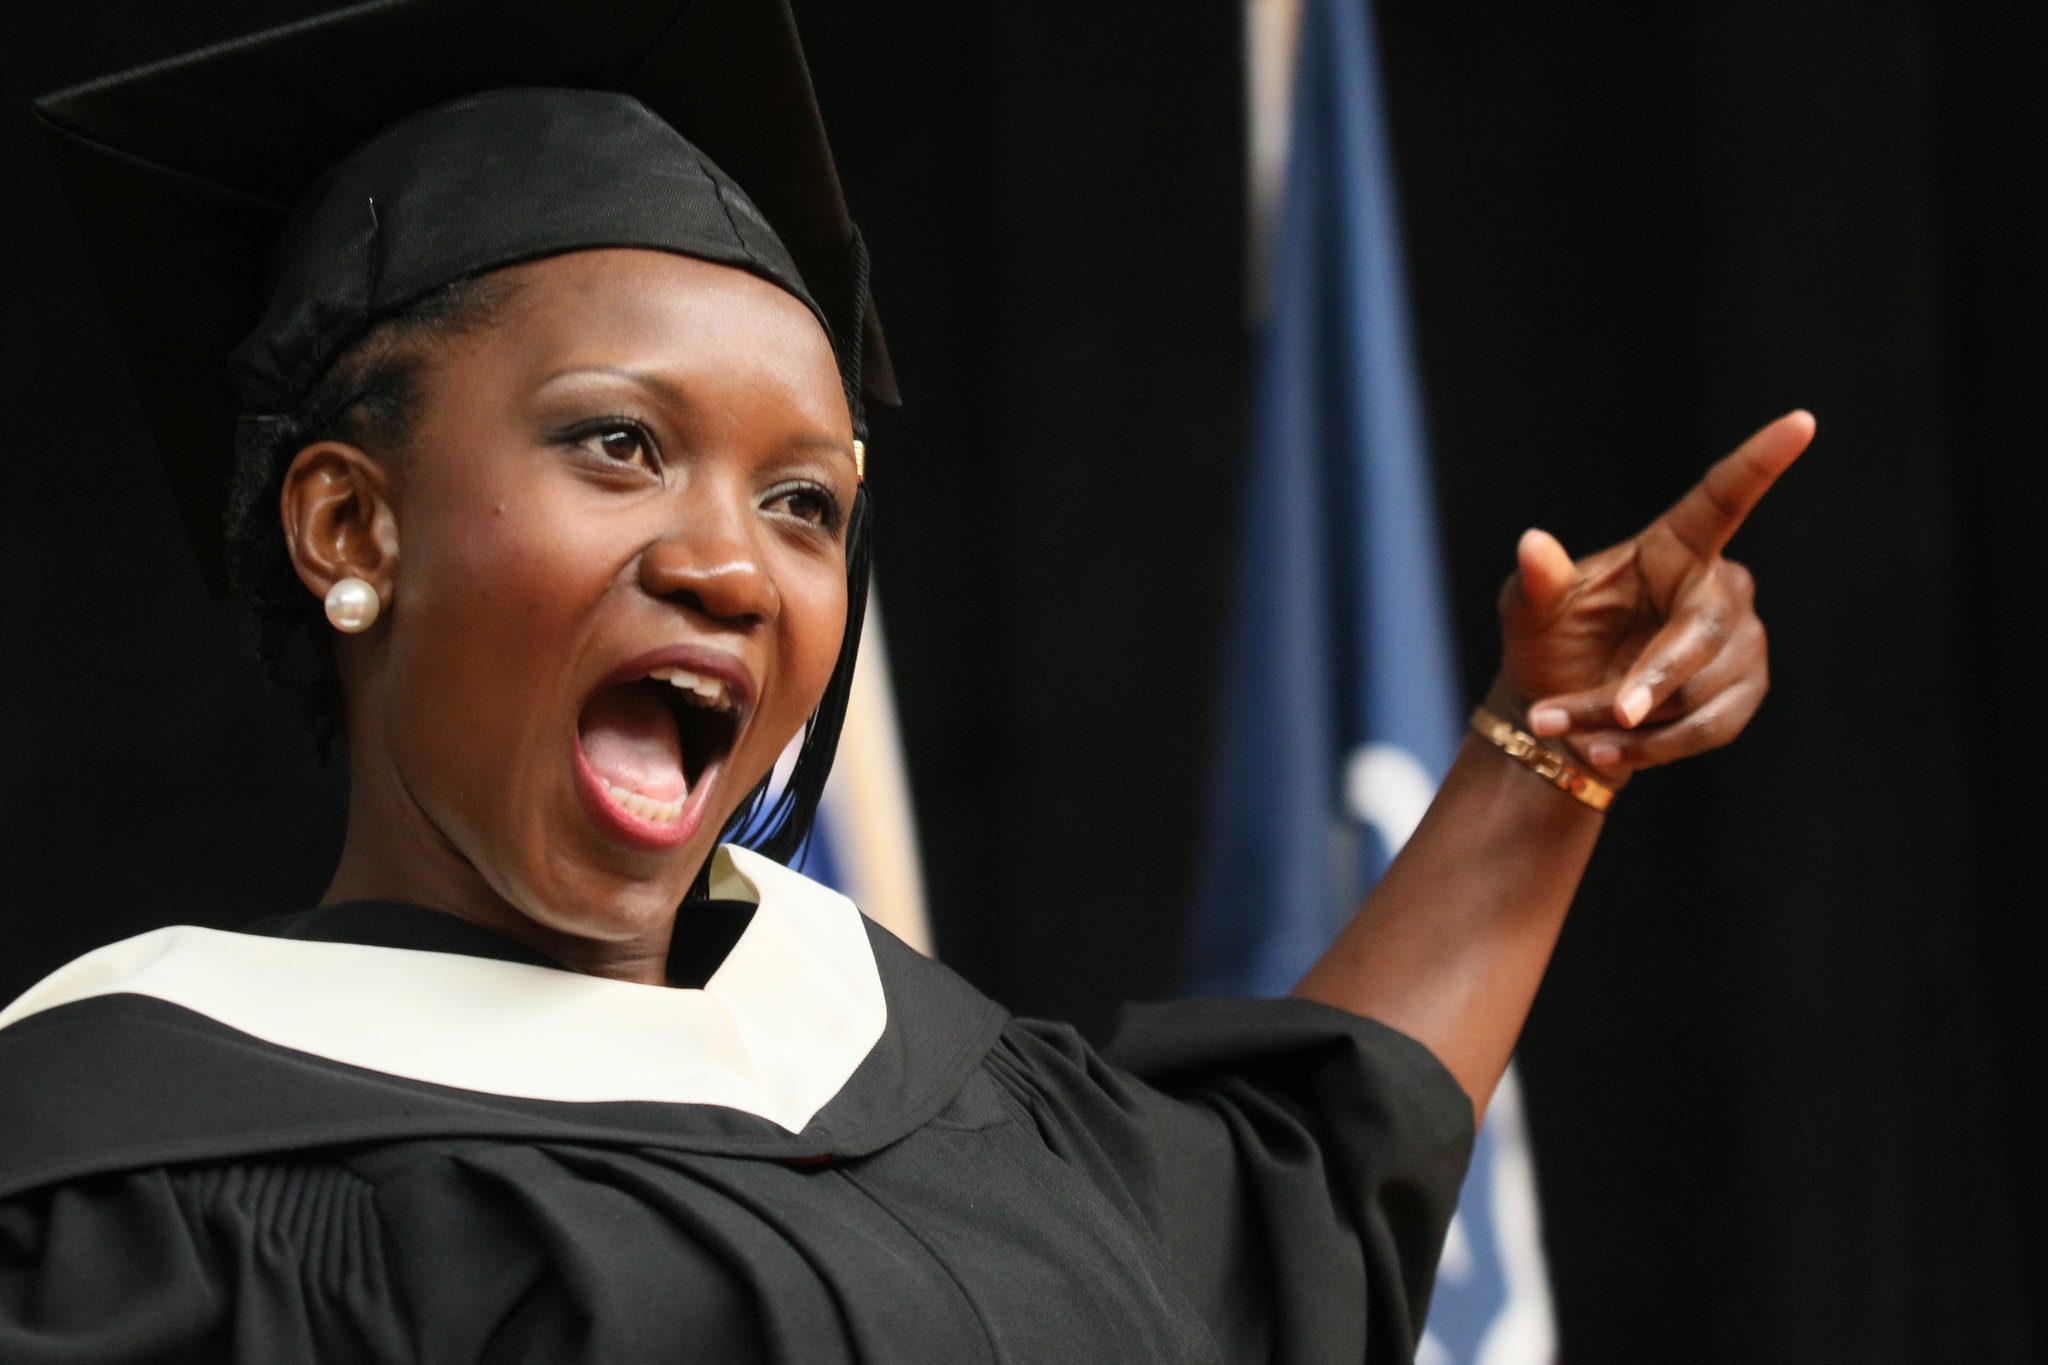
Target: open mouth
(649,749)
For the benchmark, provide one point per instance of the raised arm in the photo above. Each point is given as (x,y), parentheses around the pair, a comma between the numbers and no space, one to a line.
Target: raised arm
(1646,652)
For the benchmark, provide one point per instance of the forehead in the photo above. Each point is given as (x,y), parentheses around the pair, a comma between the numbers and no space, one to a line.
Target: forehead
(696,324)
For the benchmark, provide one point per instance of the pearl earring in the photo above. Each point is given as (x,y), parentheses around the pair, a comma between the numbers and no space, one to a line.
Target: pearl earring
(352,606)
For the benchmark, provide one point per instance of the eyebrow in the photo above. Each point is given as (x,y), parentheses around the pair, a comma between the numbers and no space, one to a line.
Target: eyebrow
(669,395)
(651,384)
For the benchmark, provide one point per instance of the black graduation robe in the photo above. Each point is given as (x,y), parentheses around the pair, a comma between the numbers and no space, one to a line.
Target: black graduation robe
(303,1166)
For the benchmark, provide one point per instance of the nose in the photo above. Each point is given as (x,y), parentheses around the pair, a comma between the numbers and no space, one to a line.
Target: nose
(713,561)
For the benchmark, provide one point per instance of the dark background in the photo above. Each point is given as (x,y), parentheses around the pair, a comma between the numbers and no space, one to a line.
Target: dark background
(1786,1080)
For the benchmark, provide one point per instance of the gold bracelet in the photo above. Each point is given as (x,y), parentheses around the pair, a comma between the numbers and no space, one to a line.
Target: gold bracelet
(1528,751)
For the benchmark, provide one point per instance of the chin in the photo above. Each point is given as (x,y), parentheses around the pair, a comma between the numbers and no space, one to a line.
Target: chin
(607,882)
(604,909)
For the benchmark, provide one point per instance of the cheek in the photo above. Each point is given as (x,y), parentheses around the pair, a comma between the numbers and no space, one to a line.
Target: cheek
(492,533)
(491,598)
(499,557)
(808,679)
(482,571)
(809,632)
(817,608)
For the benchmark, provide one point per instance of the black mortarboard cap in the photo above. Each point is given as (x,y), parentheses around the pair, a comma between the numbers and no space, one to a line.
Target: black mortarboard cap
(420,141)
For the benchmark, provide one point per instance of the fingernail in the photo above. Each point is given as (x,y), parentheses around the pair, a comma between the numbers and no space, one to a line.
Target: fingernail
(1635,704)
(1549,720)
(1603,754)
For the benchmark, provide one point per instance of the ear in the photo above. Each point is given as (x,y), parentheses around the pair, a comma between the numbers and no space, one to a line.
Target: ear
(338,517)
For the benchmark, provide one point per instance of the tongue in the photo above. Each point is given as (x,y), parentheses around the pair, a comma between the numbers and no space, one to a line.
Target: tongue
(630,739)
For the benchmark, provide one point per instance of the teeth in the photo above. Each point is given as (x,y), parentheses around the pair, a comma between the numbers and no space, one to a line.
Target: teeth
(711,691)
(658,812)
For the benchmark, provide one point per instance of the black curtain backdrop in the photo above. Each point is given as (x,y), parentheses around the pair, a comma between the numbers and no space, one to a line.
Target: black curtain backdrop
(1786,1080)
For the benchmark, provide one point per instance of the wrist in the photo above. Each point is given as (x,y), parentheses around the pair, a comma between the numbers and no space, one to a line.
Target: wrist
(1502,720)
(1507,701)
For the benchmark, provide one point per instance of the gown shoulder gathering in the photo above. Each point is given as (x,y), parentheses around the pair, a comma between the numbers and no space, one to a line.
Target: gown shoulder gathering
(377,1133)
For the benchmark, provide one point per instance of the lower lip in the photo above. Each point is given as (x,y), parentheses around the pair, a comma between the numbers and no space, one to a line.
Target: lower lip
(629,829)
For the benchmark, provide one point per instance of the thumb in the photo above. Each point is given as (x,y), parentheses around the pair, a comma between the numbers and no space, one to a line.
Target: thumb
(1546,574)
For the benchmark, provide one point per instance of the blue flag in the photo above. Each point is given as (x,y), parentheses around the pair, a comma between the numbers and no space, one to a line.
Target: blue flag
(1340,692)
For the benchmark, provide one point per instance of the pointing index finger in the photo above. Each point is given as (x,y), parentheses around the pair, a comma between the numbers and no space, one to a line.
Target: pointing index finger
(1706,519)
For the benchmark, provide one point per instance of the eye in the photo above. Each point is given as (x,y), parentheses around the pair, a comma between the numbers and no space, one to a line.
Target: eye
(618,440)
(811,503)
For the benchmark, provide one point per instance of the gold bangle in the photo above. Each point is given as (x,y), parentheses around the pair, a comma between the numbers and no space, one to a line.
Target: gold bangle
(1528,751)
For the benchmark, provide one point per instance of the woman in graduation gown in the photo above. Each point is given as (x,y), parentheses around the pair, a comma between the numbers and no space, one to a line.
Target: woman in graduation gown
(550,437)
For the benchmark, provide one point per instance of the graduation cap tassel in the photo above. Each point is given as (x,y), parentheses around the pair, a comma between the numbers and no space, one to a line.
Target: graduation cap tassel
(852,344)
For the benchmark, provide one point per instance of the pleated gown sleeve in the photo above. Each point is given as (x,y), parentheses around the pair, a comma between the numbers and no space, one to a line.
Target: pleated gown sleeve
(308,1260)
(1297,1165)
(228,1262)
